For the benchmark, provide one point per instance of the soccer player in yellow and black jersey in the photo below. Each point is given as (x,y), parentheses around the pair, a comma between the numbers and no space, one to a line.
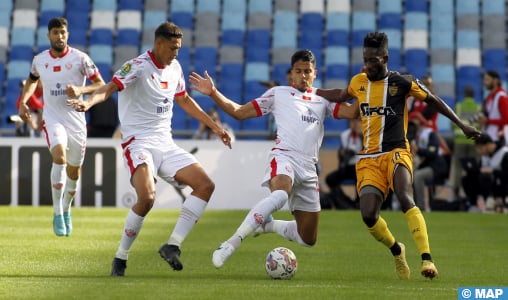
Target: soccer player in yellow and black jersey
(385,161)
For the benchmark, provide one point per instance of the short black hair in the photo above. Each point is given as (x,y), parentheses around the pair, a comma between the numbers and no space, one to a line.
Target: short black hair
(376,40)
(494,74)
(483,139)
(57,23)
(168,30)
(303,55)
(469,91)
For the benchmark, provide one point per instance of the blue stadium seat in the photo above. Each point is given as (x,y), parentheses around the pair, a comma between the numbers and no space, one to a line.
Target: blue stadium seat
(358,36)
(416,20)
(468,39)
(77,37)
(442,39)
(394,38)
(257,71)
(395,59)
(21,53)
(279,73)
(77,19)
(441,8)
(2,74)
(337,21)
(105,70)
(255,124)
(78,5)
(22,37)
(227,119)
(312,21)
(258,38)
(336,71)
(208,6)
(184,58)
(417,61)
(46,16)
(232,20)
(52,5)
(495,59)
(205,58)
(18,69)
(252,90)
(390,20)
(493,7)
(233,37)
(469,75)
(101,37)
(337,37)
(235,6)
(389,6)
(180,118)
(153,18)
(101,54)
(443,73)
(131,5)
(416,6)
(262,6)
(128,37)
(257,54)
(364,21)
(284,39)
(471,7)
(309,38)
(105,5)
(336,55)
(182,19)
(285,20)
(442,23)
(231,73)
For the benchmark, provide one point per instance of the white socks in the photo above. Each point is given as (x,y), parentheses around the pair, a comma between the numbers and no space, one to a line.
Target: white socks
(192,209)
(257,216)
(58,177)
(70,191)
(132,226)
(287,229)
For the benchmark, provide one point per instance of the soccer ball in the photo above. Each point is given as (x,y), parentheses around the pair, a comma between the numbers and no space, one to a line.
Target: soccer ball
(281,263)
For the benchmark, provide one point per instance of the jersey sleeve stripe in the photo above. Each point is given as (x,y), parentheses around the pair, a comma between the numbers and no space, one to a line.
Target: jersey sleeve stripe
(256,106)
(118,83)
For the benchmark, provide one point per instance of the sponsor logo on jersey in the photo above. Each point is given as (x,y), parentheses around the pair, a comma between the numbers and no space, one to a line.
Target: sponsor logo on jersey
(361,89)
(378,110)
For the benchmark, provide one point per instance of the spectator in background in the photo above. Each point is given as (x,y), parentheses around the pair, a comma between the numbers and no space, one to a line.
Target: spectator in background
(495,106)
(428,163)
(468,110)
(351,141)
(103,121)
(490,179)
(33,125)
(206,133)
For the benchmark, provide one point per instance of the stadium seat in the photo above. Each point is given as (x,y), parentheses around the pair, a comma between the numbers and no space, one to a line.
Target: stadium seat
(182,19)
(357,37)
(495,59)
(184,58)
(156,5)
(152,19)
(231,55)
(279,72)
(208,6)
(252,90)
(235,6)
(102,19)
(233,21)
(78,37)
(259,38)
(233,37)
(5,13)
(337,38)
(416,6)
(336,55)
(4,36)
(389,6)
(255,71)
(24,18)
(109,5)
(101,54)
(257,54)
(22,37)
(342,6)
(101,37)
(285,20)
(394,38)
(468,57)
(52,5)
(287,6)
(284,39)
(21,53)
(255,124)
(136,5)
(469,75)
(442,39)
(337,21)
(416,21)
(395,59)
(105,70)
(129,19)
(468,39)
(260,6)
(18,69)
(205,58)
(417,62)
(443,73)
(121,54)
(78,5)
(129,37)
(390,20)
(363,21)
(230,72)
(493,7)
(441,8)
(46,16)
(471,7)
(337,72)
(77,20)
(3,55)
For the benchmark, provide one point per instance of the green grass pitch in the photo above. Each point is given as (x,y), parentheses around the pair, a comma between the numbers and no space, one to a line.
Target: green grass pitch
(346,263)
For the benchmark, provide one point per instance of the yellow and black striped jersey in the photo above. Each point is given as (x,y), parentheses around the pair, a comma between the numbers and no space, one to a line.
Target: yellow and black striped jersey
(383,109)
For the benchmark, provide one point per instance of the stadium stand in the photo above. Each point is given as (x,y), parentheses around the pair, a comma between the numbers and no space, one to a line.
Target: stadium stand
(454,41)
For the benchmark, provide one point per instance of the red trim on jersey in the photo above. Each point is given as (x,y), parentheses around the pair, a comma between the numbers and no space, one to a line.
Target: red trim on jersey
(94,75)
(182,93)
(502,107)
(273,168)
(118,83)
(256,106)
(45,132)
(128,154)
(61,55)
(336,111)
(128,142)
(153,59)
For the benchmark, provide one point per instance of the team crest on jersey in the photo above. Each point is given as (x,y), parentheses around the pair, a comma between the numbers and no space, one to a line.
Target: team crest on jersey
(393,89)
(289,169)
(125,69)
(68,66)
(142,157)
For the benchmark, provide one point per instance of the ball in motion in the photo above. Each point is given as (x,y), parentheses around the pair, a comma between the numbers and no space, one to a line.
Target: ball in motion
(281,263)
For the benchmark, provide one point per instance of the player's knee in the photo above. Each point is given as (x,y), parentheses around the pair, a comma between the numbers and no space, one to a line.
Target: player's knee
(369,220)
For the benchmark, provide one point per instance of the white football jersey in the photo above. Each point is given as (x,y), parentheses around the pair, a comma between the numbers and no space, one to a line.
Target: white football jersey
(299,117)
(146,98)
(72,67)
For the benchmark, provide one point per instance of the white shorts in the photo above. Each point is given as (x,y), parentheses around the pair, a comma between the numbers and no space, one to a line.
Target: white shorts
(74,142)
(162,163)
(305,193)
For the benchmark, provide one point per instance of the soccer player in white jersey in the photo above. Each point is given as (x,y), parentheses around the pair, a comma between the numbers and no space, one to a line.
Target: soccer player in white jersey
(291,172)
(149,85)
(63,71)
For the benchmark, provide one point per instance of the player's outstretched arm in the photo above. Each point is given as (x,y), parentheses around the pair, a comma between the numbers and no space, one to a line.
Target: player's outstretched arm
(100,95)
(76,91)
(205,86)
(348,111)
(26,92)
(334,95)
(443,108)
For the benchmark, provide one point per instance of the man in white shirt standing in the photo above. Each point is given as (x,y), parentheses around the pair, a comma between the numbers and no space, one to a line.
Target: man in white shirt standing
(63,71)
(149,86)
(291,171)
